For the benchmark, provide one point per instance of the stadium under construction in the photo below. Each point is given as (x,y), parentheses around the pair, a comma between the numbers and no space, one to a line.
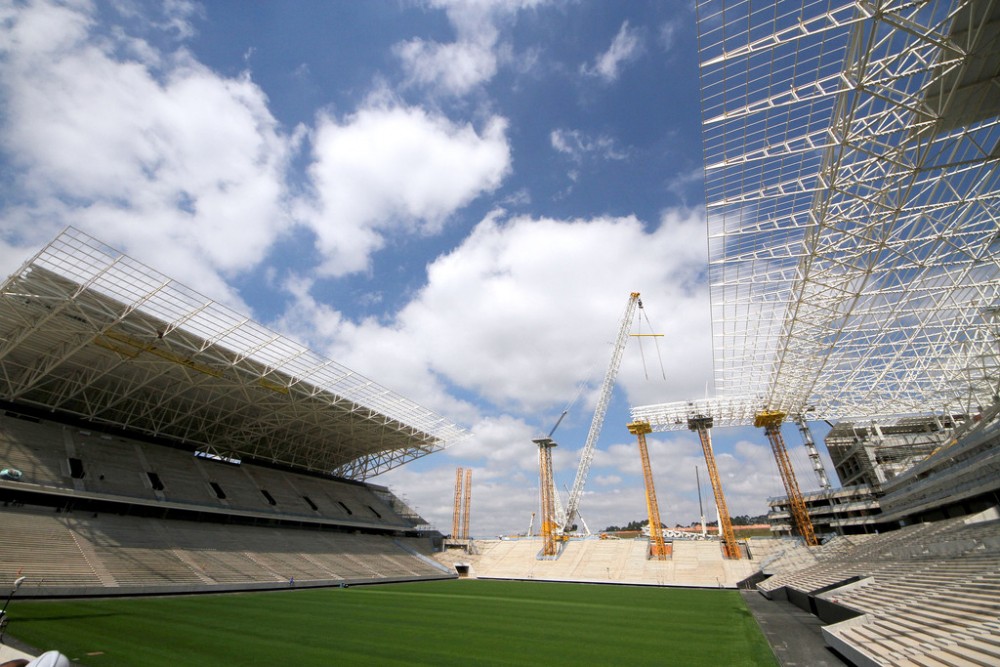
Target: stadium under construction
(153,441)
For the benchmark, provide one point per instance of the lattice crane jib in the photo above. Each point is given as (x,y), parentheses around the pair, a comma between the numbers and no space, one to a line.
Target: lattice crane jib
(604,398)
(770,421)
(730,547)
(657,545)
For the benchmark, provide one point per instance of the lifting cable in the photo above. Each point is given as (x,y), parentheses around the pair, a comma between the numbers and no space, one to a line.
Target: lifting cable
(656,343)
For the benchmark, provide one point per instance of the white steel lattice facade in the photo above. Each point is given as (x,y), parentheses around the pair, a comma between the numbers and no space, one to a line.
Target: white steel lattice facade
(90,332)
(853,198)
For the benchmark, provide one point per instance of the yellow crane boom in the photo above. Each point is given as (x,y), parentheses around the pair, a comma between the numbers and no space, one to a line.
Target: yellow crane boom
(730,547)
(771,421)
(657,547)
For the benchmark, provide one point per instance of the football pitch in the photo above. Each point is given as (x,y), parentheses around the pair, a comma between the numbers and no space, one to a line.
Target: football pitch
(426,623)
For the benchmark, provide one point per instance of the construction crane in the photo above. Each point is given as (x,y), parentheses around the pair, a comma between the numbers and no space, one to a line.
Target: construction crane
(573,506)
(701,424)
(457,512)
(546,490)
(810,445)
(466,510)
(771,421)
(657,547)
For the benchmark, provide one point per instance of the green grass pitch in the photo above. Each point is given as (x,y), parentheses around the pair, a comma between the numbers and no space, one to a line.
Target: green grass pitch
(426,623)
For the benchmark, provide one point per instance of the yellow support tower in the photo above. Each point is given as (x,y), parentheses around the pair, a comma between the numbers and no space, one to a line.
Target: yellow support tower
(730,547)
(657,547)
(771,421)
(468,503)
(457,514)
(550,548)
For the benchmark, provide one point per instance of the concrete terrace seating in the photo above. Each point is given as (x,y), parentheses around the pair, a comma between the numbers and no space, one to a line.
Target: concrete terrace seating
(65,552)
(36,449)
(927,594)
(694,563)
(118,467)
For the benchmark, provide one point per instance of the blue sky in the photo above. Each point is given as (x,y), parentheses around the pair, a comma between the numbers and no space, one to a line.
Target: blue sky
(454,199)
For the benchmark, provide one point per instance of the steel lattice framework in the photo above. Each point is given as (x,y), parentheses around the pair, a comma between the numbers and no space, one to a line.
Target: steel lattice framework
(90,332)
(853,199)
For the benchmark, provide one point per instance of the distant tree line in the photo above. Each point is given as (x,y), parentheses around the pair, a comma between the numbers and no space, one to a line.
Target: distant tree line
(741,520)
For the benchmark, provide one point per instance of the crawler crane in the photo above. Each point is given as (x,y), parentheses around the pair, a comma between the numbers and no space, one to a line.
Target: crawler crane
(573,506)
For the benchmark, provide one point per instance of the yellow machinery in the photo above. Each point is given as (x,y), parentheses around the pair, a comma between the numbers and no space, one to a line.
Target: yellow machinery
(730,547)
(771,421)
(657,547)
(550,526)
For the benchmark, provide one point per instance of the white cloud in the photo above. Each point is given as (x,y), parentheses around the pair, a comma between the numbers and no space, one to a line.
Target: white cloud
(152,153)
(525,309)
(668,34)
(579,145)
(457,67)
(390,168)
(626,46)
(521,313)
(453,68)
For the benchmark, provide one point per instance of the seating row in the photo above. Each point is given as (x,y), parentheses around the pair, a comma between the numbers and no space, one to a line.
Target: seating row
(67,550)
(926,594)
(53,455)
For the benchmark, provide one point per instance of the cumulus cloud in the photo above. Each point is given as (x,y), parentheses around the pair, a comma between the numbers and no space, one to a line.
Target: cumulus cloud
(455,68)
(523,313)
(149,151)
(390,168)
(626,46)
(526,309)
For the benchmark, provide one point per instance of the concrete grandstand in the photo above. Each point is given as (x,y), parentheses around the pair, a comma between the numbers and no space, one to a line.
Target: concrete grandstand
(167,444)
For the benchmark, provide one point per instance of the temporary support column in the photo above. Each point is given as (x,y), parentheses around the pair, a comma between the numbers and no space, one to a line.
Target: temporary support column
(771,421)
(730,547)
(457,514)
(817,462)
(657,547)
(546,492)
(468,503)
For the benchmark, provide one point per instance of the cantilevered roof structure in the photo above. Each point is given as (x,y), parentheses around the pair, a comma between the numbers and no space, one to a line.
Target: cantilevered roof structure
(89,332)
(853,199)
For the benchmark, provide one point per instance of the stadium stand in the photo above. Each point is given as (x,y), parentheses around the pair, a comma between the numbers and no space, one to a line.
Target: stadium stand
(97,513)
(926,594)
(72,553)
(162,443)
(693,563)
